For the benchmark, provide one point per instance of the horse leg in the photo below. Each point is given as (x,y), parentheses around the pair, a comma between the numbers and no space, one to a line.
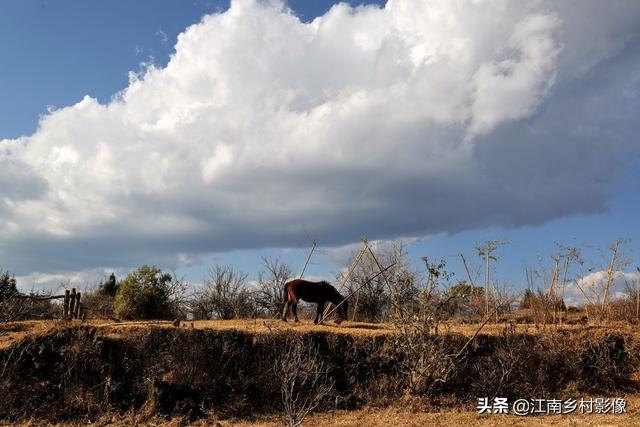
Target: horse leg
(294,308)
(285,312)
(319,312)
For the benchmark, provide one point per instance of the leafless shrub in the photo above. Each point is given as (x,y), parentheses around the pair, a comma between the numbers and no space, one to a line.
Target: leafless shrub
(505,300)
(598,293)
(97,303)
(493,374)
(462,301)
(269,296)
(606,362)
(304,379)
(541,305)
(224,295)
(390,293)
(372,297)
(15,305)
(427,361)
(627,307)
(179,296)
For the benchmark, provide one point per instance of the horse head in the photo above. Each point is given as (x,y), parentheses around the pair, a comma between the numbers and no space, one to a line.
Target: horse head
(342,312)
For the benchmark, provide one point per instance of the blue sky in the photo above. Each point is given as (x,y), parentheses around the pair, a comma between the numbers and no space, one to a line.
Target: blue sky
(53,54)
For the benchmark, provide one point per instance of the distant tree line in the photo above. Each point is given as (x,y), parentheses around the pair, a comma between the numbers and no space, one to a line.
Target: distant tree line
(428,291)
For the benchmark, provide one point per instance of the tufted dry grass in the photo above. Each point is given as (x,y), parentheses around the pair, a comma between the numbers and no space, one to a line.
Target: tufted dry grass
(392,416)
(14,331)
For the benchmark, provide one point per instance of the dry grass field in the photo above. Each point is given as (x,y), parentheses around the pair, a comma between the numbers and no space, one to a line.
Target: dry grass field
(372,417)
(393,416)
(14,331)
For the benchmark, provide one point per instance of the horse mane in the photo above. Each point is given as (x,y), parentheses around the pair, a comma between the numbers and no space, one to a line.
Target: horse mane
(338,299)
(332,289)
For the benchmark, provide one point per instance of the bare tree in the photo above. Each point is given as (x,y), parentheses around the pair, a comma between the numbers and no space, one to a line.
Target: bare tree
(389,293)
(486,252)
(504,298)
(551,283)
(571,256)
(269,296)
(304,379)
(224,295)
(597,291)
(372,301)
(617,263)
(404,283)
(178,297)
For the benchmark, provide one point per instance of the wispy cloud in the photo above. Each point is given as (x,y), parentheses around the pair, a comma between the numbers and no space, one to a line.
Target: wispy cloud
(593,284)
(163,36)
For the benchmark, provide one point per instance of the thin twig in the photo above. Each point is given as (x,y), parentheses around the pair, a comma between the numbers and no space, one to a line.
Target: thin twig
(474,335)
(352,293)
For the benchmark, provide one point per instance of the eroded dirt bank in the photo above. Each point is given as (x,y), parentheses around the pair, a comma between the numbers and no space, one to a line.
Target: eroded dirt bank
(82,372)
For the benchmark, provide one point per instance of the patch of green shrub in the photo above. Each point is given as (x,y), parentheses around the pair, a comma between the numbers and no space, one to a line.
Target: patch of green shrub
(144,294)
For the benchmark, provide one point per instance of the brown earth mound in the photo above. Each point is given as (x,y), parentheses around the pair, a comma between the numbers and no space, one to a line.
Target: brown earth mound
(83,372)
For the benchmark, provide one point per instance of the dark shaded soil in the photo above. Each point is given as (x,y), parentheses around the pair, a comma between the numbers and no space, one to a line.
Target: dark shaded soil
(81,372)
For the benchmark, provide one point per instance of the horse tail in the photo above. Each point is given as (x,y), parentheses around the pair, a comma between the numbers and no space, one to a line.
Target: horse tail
(286,292)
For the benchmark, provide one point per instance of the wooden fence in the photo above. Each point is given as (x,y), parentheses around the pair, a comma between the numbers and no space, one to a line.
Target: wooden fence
(72,307)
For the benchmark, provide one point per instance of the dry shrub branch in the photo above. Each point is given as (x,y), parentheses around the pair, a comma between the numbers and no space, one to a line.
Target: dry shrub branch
(304,379)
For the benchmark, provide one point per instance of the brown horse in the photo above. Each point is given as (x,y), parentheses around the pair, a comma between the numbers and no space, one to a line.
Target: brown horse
(315,292)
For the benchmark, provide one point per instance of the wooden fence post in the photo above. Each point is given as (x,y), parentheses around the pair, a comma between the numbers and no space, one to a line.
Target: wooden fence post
(65,305)
(76,314)
(72,303)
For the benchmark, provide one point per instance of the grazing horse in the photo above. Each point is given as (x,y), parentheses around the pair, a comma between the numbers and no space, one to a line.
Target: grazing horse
(317,292)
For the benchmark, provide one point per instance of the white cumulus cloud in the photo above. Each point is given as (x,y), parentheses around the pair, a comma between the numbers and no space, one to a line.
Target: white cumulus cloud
(591,288)
(419,117)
